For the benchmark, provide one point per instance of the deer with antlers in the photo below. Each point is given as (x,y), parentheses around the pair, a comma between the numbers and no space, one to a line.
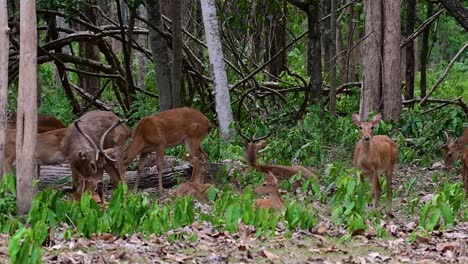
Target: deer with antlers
(48,148)
(454,148)
(373,155)
(166,129)
(270,187)
(254,145)
(92,144)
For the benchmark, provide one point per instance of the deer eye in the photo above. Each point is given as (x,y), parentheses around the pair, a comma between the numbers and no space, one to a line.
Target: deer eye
(372,127)
(360,127)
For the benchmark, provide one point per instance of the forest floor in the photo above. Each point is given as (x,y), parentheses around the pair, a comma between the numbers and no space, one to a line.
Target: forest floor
(202,243)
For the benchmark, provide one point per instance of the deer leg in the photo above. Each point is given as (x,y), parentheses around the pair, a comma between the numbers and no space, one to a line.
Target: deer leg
(375,190)
(75,181)
(141,167)
(160,165)
(195,151)
(389,175)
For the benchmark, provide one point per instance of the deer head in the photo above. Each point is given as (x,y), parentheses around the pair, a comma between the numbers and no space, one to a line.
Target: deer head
(366,127)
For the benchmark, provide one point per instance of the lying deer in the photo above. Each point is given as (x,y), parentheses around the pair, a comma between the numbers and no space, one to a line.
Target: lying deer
(373,155)
(92,144)
(44,122)
(282,172)
(454,148)
(195,186)
(48,148)
(270,186)
(166,129)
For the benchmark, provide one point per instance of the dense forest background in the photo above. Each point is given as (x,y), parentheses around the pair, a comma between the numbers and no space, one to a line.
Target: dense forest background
(295,70)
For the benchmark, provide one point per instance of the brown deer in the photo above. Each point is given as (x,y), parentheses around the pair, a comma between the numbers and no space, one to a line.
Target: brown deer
(44,122)
(373,155)
(254,145)
(48,148)
(195,186)
(270,186)
(454,147)
(92,144)
(166,129)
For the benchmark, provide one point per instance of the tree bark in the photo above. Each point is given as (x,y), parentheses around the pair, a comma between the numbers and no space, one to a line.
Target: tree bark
(409,72)
(26,123)
(218,72)
(372,59)
(391,61)
(4,47)
(276,39)
(159,50)
(425,52)
(177,55)
(333,57)
(457,10)
(314,51)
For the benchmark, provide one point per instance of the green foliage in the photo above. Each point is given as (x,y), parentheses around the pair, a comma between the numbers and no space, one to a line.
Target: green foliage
(8,223)
(444,205)
(25,246)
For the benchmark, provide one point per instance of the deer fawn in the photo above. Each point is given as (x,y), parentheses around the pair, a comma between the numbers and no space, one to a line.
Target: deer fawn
(454,147)
(195,186)
(166,129)
(254,145)
(270,186)
(373,155)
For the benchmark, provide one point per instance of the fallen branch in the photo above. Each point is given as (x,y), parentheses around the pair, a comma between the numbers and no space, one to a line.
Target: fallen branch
(458,101)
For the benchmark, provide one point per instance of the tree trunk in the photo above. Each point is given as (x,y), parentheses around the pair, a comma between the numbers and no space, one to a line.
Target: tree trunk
(177,53)
(26,122)
(372,59)
(391,61)
(4,47)
(333,57)
(276,40)
(218,72)
(457,10)
(425,52)
(409,73)
(314,51)
(160,54)
(142,59)
(326,39)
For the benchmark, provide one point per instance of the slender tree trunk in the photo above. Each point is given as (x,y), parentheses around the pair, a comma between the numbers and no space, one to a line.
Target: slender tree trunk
(4,47)
(372,59)
(26,121)
(326,38)
(391,61)
(177,53)
(218,72)
(160,54)
(276,40)
(425,52)
(333,57)
(314,51)
(409,73)
(142,59)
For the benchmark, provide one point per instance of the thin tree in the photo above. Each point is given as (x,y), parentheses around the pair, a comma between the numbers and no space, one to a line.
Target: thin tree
(333,56)
(425,52)
(4,47)
(177,53)
(409,74)
(218,72)
(26,121)
(159,50)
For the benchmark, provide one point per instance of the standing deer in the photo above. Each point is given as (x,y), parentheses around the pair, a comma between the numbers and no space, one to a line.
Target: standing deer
(44,122)
(454,147)
(254,145)
(167,129)
(48,149)
(270,186)
(92,144)
(373,155)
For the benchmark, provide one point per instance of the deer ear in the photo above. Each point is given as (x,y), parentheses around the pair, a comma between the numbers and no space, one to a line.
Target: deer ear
(261,145)
(82,155)
(356,119)
(377,119)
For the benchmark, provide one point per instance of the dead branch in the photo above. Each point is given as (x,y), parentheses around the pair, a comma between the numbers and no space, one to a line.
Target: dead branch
(88,97)
(421,28)
(458,101)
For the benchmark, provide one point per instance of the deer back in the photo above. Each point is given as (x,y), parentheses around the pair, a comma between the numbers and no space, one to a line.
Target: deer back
(44,122)
(49,147)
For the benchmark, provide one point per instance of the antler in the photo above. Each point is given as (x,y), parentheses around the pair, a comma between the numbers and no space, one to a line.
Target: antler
(90,140)
(101,142)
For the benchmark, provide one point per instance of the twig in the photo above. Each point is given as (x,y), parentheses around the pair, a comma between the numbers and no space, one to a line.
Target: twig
(421,28)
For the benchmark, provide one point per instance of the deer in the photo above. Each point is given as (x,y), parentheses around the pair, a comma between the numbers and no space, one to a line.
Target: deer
(195,186)
(454,148)
(48,148)
(166,129)
(254,145)
(373,155)
(94,143)
(270,186)
(45,123)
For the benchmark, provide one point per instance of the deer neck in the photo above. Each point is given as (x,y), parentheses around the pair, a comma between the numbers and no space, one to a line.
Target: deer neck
(276,200)
(251,155)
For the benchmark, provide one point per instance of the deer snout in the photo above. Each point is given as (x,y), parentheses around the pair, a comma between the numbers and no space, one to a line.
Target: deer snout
(367,137)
